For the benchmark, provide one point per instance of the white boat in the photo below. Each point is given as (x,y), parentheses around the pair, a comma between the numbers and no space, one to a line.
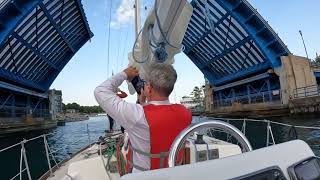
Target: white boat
(206,158)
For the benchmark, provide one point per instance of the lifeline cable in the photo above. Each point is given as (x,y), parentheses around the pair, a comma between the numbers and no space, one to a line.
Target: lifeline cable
(292,135)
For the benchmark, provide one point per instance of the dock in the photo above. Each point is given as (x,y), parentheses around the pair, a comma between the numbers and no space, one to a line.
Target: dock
(14,125)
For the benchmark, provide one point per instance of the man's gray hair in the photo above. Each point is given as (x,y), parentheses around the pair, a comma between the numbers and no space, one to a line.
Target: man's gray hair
(162,77)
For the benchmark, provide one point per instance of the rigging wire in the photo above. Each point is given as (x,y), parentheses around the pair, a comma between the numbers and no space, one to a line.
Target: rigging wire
(151,38)
(133,51)
(134,45)
(124,48)
(152,42)
(120,42)
(159,24)
(108,56)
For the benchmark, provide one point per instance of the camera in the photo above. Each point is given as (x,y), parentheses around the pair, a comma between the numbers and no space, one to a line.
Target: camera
(138,84)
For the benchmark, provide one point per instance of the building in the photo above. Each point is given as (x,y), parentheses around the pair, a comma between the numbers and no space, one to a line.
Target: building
(55,102)
(189,102)
(72,111)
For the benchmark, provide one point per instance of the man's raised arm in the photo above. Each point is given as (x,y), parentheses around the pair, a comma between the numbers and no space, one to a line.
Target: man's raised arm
(122,112)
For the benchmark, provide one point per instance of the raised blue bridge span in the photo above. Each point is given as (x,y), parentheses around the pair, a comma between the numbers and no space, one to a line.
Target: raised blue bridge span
(243,60)
(37,39)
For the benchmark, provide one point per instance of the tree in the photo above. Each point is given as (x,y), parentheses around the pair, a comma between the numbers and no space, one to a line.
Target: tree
(82,109)
(64,108)
(73,106)
(197,94)
(91,109)
(317,59)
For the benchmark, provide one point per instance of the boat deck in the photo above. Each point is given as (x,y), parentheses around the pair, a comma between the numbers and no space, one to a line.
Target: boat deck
(88,160)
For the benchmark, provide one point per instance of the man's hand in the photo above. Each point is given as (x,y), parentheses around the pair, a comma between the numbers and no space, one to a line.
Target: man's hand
(122,94)
(141,98)
(131,72)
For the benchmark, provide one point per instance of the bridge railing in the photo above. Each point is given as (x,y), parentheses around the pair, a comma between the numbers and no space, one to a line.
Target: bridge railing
(8,112)
(261,97)
(308,91)
(315,64)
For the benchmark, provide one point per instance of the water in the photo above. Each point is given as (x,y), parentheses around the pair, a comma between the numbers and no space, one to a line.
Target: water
(256,132)
(66,140)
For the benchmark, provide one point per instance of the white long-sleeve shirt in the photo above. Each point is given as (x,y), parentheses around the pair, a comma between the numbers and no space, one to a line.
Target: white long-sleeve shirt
(128,115)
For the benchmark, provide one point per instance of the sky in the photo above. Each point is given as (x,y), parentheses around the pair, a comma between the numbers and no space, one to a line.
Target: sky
(90,65)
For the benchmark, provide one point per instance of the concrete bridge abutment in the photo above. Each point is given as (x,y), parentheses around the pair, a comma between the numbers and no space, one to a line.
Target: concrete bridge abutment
(295,76)
(295,72)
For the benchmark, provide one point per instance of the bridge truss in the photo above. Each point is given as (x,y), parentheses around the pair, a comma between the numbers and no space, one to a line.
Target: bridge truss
(235,49)
(37,39)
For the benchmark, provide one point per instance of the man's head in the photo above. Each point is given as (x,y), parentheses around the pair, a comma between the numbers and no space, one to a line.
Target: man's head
(159,81)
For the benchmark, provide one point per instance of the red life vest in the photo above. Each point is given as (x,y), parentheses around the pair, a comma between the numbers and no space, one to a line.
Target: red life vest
(165,123)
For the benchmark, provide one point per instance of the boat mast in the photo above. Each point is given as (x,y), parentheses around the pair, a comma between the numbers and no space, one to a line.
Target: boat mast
(137,17)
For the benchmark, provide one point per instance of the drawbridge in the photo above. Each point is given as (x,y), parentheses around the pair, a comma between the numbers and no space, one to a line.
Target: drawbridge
(37,39)
(241,56)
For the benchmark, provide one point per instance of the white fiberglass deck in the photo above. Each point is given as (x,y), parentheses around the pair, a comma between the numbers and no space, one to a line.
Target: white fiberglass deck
(85,165)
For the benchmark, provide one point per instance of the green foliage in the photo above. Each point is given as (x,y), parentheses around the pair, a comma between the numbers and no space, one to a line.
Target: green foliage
(73,106)
(64,107)
(82,109)
(197,94)
(317,59)
(91,109)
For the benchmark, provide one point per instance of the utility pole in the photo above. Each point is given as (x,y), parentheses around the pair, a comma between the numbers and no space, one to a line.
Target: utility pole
(305,48)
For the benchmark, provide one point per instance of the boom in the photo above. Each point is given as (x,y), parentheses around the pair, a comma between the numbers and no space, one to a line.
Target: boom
(161,37)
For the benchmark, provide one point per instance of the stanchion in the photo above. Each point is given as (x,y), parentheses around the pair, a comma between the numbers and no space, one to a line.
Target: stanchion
(23,151)
(47,153)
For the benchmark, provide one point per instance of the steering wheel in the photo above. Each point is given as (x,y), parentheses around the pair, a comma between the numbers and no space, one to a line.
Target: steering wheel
(220,125)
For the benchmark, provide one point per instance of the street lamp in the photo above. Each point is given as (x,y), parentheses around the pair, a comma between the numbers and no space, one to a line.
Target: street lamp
(304,43)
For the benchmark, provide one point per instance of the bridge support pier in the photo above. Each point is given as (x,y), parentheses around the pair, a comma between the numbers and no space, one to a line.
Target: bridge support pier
(249,94)
(295,72)
(269,89)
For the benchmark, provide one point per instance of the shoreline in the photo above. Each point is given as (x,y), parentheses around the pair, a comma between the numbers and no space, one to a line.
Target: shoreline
(72,117)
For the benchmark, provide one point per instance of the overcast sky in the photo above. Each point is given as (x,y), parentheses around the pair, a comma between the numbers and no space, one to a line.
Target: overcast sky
(89,67)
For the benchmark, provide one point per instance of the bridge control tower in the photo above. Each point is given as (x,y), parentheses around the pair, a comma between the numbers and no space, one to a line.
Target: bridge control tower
(37,39)
(247,66)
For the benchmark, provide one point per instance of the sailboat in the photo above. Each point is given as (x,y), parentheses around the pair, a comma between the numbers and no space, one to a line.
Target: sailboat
(212,149)
(206,157)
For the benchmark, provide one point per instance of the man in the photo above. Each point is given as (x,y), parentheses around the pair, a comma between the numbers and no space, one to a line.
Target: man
(153,126)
